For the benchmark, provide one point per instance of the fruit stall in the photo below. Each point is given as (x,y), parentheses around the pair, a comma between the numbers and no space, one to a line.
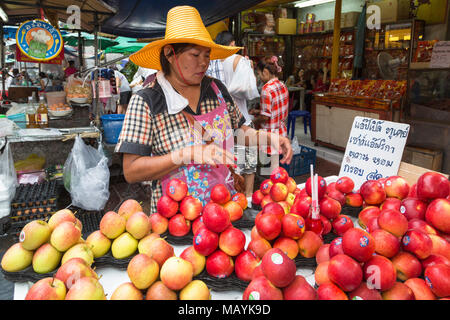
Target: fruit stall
(321,240)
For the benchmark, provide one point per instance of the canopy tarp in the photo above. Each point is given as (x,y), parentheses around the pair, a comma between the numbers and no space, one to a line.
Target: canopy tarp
(71,39)
(147,19)
(125,45)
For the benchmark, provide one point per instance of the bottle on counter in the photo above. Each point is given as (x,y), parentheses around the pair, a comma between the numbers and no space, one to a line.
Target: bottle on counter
(31,114)
(42,113)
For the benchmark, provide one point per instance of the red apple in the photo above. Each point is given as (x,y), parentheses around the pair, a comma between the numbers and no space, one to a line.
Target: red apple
(323,254)
(335,247)
(421,225)
(367,213)
(219,264)
(259,247)
(440,245)
(372,225)
(432,185)
(413,191)
(278,268)
(354,199)
(245,264)
(399,291)
(279,175)
(365,292)
(413,208)
(345,185)
(205,241)
(321,273)
(159,223)
(391,203)
(341,224)
(329,207)
(275,209)
(373,192)
(266,200)
(379,273)
(278,192)
(293,226)
(331,187)
(358,244)
(329,291)
(438,214)
(396,187)
(345,272)
(321,188)
(197,224)
(179,226)
(301,206)
(232,241)
(176,189)
(309,244)
(407,265)
(167,207)
(257,197)
(260,288)
(240,199)
(191,208)
(215,217)
(418,243)
(291,185)
(434,259)
(234,210)
(269,226)
(338,196)
(220,194)
(299,289)
(420,289)
(327,227)
(437,278)
(287,245)
(386,244)
(393,221)
(286,207)
(265,187)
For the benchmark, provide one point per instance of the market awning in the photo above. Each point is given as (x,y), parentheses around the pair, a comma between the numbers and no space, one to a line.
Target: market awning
(71,39)
(22,10)
(125,45)
(147,19)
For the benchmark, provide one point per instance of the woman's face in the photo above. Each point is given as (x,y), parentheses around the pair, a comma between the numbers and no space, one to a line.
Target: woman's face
(301,73)
(264,75)
(193,63)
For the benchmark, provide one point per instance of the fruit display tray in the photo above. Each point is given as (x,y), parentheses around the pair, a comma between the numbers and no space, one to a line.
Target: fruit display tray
(230,283)
(247,221)
(351,211)
(178,241)
(302,262)
(90,220)
(28,195)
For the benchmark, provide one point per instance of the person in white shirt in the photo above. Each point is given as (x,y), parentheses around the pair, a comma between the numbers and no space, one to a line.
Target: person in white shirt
(247,156)
(139,78)
(125,91)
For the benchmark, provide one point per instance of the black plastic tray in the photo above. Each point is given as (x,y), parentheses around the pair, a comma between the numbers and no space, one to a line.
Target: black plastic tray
(351,211)
(247,221)
(230,283)
(178,241)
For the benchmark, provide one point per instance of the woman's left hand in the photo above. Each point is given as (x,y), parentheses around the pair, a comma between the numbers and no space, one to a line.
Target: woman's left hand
(283,145)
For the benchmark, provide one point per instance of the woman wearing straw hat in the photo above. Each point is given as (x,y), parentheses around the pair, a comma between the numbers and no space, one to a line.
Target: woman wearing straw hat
(182,125)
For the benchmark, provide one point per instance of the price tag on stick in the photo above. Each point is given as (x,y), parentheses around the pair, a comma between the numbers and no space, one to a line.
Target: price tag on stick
(374,149)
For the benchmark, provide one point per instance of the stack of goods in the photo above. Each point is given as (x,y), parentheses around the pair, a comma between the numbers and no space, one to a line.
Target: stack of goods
(424,51)
(78,91)
(374,94)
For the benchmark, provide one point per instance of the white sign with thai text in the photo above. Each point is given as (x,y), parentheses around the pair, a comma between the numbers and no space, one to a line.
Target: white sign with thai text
(374,149)
(440,57)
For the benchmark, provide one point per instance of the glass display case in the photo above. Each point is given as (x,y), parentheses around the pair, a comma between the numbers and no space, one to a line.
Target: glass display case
(430,87)
(396,39)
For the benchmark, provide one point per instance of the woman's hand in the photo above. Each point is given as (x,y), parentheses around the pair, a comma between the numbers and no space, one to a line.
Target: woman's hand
(283,145)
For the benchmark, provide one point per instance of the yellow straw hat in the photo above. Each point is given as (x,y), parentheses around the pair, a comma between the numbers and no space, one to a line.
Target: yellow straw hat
(184,25)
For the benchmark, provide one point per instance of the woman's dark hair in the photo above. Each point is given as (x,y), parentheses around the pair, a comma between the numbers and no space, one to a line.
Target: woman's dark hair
(224,38)
(267,63)
(15,72)
(178,48)
(42,75)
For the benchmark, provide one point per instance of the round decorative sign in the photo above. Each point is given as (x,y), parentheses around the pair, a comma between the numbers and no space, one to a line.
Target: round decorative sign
(39,40)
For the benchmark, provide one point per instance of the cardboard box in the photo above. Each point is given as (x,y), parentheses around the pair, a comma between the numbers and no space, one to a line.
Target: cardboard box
(286,26)
(391,10)
(423,157)
(411,172)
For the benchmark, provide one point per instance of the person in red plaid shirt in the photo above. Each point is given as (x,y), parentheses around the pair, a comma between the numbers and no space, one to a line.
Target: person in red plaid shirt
(274,101)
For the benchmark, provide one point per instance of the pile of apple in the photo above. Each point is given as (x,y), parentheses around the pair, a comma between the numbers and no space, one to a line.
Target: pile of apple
(403,253)
(177,211)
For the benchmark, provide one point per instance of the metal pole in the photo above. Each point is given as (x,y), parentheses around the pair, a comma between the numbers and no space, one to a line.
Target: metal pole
(336,38)
(96,98)
(80,52)
(2,60)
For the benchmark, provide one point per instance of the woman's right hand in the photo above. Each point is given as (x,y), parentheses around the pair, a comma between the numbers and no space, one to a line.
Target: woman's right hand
(211,154)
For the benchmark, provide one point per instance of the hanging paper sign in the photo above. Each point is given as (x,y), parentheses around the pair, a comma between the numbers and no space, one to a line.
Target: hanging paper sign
(23,58)
(39,40)
(374,150)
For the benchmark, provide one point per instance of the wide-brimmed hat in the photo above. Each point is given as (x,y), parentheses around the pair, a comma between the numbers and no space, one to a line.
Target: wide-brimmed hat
(184,25)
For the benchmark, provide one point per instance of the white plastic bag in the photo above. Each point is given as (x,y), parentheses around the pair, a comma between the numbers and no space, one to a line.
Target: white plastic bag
(86,176)
(8,179)
(243,83)
(295,146)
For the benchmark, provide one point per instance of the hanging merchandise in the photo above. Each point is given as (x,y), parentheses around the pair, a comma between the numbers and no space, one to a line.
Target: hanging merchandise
(8,180)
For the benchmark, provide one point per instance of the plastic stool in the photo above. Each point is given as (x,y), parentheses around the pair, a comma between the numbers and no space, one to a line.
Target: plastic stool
(292,118)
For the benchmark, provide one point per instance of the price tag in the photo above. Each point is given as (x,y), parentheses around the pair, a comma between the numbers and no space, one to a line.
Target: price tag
(374,149)
(440,56)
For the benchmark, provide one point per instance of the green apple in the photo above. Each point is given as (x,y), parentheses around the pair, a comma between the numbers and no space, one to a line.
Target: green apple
(34,234)
(144,243)
(124,246)
(99,243)
(86,288)
(65,235)
(80,250)
(46,259)
(47,289)
(16,258)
